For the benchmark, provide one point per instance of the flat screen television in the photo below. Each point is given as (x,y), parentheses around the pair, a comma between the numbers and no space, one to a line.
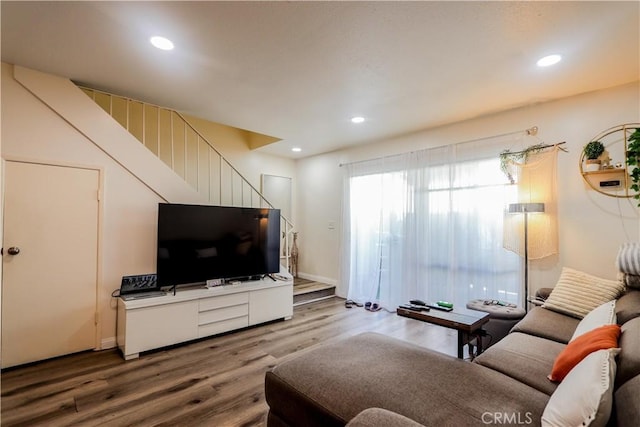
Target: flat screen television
(197,243)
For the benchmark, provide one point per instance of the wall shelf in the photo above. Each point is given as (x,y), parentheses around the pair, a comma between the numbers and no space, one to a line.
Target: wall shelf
(603,181)
(620,171)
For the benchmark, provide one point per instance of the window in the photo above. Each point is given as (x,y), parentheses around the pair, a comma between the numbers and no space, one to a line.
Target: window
(423,228)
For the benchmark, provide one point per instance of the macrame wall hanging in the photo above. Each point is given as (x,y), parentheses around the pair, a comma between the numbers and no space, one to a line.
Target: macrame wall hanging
(534,172)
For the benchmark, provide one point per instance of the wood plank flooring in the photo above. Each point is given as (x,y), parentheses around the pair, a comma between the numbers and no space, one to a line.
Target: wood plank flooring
(217,381)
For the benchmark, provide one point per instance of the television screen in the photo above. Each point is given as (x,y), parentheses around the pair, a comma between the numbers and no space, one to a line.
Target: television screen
(197,243)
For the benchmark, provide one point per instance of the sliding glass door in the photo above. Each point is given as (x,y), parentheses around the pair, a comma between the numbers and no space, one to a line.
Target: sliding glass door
(428,225)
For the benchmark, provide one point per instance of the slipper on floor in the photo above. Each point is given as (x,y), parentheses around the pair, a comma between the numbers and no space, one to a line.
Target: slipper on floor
(349,303)
(372,306)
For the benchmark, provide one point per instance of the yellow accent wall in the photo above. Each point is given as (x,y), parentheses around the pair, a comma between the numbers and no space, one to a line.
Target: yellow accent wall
(190,156)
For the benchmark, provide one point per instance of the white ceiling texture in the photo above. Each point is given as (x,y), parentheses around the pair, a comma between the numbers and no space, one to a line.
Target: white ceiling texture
(300,70)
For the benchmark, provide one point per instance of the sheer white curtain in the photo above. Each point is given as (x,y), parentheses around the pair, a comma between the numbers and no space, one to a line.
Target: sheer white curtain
(428,225)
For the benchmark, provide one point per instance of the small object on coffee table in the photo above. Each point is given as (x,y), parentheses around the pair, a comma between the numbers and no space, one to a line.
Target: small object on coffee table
(438,307)
(413,307)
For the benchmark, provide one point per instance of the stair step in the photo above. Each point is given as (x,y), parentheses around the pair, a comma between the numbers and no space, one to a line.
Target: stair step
(305,291)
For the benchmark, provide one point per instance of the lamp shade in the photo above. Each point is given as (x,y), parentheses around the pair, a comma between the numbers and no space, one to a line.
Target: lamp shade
(525,208)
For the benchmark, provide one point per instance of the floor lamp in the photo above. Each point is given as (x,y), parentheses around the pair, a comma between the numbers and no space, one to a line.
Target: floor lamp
(526,209)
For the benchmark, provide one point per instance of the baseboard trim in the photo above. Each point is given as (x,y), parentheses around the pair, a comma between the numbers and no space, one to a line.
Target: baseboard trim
(107,343)
(320,279)
(313,300)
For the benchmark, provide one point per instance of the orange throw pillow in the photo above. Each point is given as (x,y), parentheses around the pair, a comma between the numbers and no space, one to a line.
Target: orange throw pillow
(600,338)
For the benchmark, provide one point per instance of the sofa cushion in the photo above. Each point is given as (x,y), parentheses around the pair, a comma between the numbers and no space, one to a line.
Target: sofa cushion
(601,338)
(631,281)
(627,258)
(375,370)
(544,323)
(374,417)
(543,293)
(629,357)
(577,293)
(525,358)
(274,421)
(585,397)
(628,307)
(628,403)
(599,316)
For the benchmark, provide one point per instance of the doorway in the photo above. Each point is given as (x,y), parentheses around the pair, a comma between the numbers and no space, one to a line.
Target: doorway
(50,260)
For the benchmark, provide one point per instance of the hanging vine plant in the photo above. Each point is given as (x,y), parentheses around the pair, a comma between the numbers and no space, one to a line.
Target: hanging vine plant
(507,157)
(633,159)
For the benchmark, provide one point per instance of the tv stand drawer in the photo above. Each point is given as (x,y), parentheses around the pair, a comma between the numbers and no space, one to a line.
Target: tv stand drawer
(221,301)
(211,316)
(223,326)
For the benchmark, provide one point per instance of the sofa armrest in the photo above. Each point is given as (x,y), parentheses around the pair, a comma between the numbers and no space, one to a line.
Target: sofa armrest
(543,293)
(377,417)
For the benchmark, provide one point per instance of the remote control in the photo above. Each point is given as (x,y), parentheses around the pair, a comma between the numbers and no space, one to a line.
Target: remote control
(438,307)
(414,307)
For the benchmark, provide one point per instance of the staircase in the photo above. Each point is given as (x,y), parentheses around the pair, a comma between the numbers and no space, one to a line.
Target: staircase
(306,291)
(169,136)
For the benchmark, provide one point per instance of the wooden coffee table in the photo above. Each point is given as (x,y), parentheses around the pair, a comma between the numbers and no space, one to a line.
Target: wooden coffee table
(468,323)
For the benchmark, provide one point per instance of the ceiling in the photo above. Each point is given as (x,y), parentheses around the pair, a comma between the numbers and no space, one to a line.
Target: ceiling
(300,70)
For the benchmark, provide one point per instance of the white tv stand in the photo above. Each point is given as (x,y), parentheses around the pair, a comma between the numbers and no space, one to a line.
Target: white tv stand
(150,323)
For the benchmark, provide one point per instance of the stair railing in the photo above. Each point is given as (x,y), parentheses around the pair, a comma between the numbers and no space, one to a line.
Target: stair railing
(168,135)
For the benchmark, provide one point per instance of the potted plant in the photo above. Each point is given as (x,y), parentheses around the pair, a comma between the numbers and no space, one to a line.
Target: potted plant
(507,157)
(592,151)
(633,159)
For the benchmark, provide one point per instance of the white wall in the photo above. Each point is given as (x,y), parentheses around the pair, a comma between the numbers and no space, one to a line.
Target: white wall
(253,164)
(31,130)
(591,226)
(319,204)
(234,143)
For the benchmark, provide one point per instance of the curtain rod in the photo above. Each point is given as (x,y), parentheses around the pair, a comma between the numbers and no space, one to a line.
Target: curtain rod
(541,147)
(533,130)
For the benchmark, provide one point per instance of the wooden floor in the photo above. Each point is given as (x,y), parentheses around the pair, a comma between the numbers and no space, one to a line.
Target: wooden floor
(212,382)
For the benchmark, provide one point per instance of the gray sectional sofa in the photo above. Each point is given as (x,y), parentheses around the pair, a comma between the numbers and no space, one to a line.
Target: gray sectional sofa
(375,380)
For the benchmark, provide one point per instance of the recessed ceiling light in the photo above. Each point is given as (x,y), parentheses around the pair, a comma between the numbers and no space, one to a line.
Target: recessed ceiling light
(161,43)
(548,60)
(357,119)
(296,149)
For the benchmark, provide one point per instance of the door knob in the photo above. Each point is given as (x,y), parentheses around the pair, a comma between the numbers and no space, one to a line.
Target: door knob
(13,250)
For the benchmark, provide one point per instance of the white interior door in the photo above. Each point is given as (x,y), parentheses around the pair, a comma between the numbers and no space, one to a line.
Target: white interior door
(51,216)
